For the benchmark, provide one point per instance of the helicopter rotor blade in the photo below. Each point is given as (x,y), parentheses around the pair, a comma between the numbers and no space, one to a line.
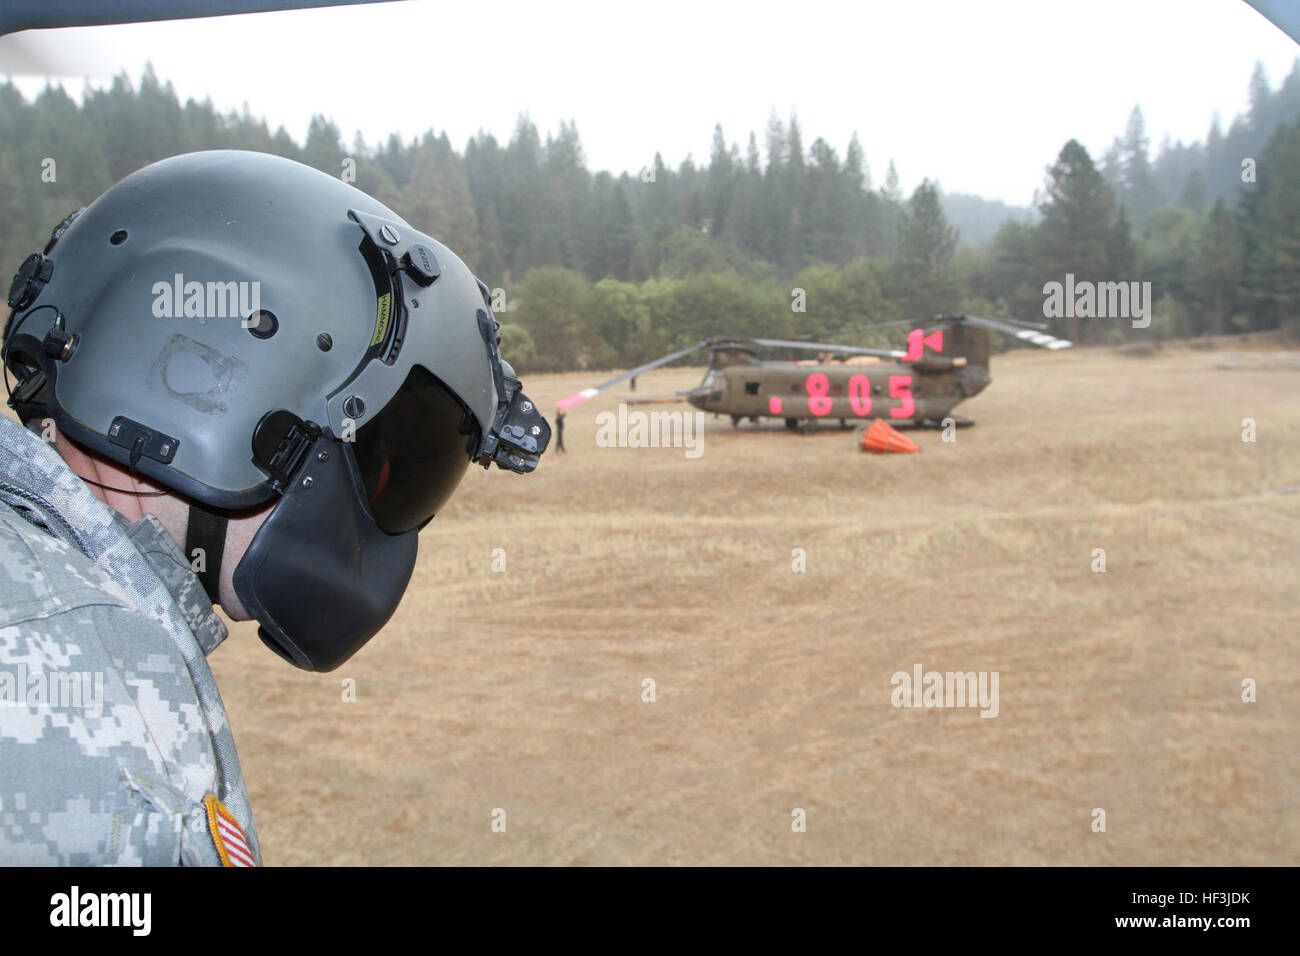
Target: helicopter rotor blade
(827,347)
(1021,323)
(880,325)
(53,55)
(586,393)
(660,399)
(50,14)
(938,320)
(1041,339)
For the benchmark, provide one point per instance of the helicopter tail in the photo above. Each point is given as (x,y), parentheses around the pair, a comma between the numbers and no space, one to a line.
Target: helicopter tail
(968,341)
(966,337)
(948,339)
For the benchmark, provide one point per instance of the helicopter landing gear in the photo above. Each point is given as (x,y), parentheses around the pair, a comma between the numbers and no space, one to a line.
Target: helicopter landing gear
(792,424)
(735,421)
(938,423)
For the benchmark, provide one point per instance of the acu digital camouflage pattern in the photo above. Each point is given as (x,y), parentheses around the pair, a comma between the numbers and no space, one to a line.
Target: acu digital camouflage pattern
(120,780)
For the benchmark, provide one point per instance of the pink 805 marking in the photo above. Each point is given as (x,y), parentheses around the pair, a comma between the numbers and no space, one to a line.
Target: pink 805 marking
(860,394)
(900,386)
(819,403)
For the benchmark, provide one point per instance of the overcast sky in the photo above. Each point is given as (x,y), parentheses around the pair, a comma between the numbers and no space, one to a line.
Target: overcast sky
(979,95)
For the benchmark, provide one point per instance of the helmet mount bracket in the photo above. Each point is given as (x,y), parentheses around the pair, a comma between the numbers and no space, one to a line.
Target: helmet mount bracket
(281,442)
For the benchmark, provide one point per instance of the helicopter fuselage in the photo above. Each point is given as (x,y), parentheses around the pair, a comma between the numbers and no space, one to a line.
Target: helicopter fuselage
(905,392)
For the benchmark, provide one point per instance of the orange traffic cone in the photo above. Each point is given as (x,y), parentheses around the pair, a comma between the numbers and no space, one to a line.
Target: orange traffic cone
(882,437)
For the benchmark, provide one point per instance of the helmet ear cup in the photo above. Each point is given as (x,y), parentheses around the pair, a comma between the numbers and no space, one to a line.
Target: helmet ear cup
(320,576)
(25,363)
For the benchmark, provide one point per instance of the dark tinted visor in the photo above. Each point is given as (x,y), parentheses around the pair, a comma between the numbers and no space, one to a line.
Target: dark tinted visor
(413,454)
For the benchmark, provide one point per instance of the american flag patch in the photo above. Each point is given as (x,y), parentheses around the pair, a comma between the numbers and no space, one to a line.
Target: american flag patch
(232,846)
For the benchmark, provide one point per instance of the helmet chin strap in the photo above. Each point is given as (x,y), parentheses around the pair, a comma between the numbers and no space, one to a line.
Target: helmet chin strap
(206,532)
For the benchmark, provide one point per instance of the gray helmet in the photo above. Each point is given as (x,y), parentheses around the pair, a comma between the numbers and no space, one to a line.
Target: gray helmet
(236,327)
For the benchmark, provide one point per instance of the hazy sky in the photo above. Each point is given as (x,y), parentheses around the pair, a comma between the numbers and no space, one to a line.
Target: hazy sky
(980,95)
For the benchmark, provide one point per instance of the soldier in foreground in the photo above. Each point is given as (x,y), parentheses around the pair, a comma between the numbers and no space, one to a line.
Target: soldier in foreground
(244,383)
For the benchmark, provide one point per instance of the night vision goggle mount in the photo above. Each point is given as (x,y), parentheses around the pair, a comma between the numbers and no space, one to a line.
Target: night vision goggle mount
(519,434)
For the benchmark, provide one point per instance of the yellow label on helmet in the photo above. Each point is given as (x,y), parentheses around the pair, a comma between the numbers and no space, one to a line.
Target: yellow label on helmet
(382,313)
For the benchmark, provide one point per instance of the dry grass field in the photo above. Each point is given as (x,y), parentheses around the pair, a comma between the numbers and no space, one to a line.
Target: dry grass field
(1119,690)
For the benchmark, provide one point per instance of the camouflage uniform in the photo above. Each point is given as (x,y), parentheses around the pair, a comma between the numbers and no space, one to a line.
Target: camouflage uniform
(122,778)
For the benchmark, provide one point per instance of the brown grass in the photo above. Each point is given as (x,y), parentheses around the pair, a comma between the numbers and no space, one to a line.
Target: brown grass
(1121,690)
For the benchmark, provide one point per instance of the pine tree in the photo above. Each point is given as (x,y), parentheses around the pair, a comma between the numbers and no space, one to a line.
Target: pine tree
(1217,162)
(1195,193)
(776,144)
(855,166)
(323,149)
(1139,194)
(1077,231)
(928,241)
(1270,228)
(926,250)
(1218,265)
(891,190)
(721,183)
(1121,254)
(752,160)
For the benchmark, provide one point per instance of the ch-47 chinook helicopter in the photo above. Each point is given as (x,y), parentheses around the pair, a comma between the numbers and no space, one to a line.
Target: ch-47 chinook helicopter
(946,362)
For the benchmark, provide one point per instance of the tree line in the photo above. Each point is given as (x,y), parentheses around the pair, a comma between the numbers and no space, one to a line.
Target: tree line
(600,270)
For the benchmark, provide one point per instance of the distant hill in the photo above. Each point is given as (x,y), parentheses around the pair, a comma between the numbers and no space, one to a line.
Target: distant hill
(978,219)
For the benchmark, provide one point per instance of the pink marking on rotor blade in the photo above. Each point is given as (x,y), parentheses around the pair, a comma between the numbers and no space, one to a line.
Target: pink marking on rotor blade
(566,403)
(774,404)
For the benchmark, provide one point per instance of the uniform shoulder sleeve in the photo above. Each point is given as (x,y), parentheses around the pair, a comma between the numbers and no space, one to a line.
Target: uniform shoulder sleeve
(96,699)
(41,575)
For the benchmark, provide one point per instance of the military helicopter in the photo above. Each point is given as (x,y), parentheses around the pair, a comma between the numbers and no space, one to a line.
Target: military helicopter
(946,362)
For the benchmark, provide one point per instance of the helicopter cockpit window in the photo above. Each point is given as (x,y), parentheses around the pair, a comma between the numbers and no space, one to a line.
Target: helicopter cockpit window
(716,383)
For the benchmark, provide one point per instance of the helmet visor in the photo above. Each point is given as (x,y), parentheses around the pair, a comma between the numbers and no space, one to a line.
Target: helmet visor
(414,453)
